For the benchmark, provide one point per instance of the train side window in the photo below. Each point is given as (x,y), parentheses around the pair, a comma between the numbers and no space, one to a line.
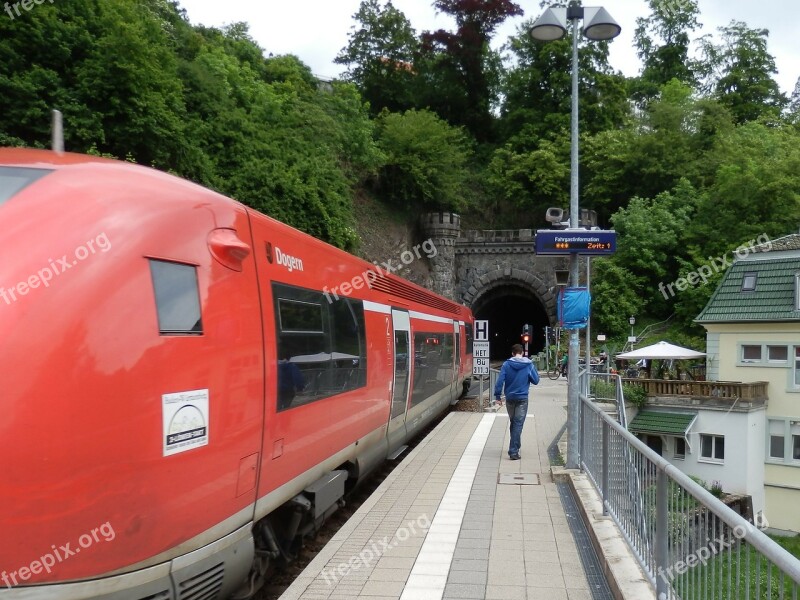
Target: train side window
(321,345)
(348,345)
(468,331)
(433,364)
(177,297)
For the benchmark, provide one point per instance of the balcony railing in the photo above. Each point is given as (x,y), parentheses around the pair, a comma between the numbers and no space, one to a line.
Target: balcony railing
(702,389)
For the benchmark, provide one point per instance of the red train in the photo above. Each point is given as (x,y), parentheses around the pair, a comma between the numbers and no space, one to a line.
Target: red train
(188,387)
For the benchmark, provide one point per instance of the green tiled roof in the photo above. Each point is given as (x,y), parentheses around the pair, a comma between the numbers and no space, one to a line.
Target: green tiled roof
(668,423)
(772,300)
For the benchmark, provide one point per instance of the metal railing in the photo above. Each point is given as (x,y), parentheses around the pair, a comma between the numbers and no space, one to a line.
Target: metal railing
(497,235)
(733,390)
(493,373)
(688,542)
(607,387)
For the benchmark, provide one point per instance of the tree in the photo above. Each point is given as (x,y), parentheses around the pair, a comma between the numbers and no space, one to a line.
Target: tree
(755,189)
(109,67)
(650,232)
(380,57)
(529,182)
(538,89)
(662,43)
(666,141)
(462,67)
(616,294)
(426,161)
(793,108)
(739,73)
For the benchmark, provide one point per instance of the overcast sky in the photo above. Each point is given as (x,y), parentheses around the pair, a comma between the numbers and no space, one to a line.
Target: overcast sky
(316,30)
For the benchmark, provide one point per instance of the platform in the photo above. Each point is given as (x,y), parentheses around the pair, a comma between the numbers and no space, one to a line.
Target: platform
(458,519)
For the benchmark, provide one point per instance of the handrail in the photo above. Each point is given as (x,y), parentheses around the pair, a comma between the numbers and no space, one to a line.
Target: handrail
(625,471)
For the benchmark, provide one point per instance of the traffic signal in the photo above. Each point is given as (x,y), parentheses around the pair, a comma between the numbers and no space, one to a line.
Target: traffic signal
(526,334)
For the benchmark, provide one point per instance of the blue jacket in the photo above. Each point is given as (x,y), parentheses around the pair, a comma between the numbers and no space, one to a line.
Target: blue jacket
(516,375)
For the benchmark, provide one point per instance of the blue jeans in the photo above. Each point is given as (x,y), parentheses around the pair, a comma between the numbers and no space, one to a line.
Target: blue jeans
(517,411)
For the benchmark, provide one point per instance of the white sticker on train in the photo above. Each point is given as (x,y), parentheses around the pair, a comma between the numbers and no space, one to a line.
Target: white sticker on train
(287,260)
(186,424)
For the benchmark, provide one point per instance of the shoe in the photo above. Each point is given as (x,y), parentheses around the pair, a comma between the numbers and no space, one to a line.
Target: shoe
(515,457)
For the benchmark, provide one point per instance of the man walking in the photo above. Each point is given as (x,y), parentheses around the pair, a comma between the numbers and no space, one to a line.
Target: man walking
(516,375)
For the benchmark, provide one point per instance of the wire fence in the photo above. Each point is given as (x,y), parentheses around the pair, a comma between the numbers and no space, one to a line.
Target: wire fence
(690,544)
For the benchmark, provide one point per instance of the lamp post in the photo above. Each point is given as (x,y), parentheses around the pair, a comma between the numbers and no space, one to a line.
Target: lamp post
(552,25)
(632,339)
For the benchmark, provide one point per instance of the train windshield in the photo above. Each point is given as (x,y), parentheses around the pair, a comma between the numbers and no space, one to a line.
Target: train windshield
(15,179)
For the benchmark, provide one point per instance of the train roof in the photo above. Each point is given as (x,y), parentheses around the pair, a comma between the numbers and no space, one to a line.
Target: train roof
(390,284)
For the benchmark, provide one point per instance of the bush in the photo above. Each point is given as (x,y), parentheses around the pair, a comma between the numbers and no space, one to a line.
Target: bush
(634,394)
(716,489)
(602,389)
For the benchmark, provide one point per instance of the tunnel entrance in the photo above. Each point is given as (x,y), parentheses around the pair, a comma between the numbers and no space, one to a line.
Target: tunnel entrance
(507,308)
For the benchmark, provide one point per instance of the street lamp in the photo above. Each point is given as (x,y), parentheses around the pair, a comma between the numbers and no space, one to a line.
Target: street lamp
(632,338)
(552,25)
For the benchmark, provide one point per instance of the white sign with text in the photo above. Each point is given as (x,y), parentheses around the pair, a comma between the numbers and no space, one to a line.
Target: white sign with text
(480,348)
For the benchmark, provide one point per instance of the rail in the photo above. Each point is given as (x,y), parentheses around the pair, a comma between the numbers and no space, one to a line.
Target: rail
(688,542)
(608,387)
(704,389)
(497,235)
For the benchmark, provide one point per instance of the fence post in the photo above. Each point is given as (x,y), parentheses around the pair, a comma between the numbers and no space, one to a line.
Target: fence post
(662,533)
(606,445)
(582,445)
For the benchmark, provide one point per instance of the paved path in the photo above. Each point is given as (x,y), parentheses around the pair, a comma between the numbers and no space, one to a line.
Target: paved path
(458,519)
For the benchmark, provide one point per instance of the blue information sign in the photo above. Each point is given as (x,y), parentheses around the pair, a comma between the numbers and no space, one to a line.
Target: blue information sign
(568,241)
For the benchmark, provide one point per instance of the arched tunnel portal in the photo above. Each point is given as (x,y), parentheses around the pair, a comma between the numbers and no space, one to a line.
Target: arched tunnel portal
(508,305)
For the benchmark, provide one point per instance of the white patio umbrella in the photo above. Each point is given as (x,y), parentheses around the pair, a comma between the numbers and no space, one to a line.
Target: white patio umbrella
(663,351)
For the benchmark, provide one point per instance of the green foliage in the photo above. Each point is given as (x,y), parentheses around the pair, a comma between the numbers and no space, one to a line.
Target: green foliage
(135,80)
(538,89)
(426,161)
(602,389)
(755,190)
(380,57)
(716,489)
(739,71)
(662,42)
(464,64)
(694,171)
(616,294)
(634,394)
(533,180)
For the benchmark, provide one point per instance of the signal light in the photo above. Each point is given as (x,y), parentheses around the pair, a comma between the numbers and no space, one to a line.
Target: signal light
(526,338)
(526,333)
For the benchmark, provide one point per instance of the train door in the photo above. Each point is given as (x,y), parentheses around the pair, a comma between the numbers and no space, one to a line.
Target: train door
(403,357)
(455,386)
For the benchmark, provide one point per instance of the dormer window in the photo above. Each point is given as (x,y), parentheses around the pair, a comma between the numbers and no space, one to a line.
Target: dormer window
(749,282)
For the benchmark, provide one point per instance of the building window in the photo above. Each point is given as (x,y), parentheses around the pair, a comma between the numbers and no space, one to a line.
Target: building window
(796,447)
(777,437)
(777,353)
(712,447)
(751,353)
(177,297)
(680,448)
(797,366)
(749,282)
